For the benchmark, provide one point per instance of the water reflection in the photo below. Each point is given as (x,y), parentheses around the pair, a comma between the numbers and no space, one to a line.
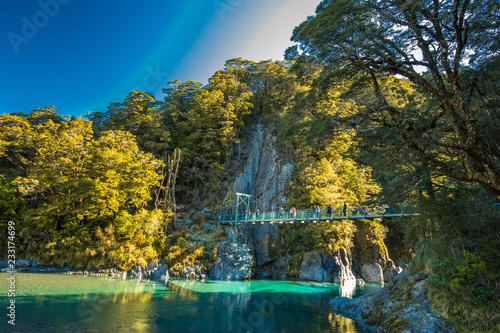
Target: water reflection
(84,304)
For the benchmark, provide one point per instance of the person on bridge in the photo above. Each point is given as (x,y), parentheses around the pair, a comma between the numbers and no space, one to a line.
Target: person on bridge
(293,212)
(329,211)
(281,212)
(345,209)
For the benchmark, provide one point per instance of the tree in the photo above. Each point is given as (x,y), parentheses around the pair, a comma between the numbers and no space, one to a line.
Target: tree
(67,181)
(269,81)
(442,47)
(141,115)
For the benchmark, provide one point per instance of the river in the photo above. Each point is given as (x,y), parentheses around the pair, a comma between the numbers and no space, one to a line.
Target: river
(67,303)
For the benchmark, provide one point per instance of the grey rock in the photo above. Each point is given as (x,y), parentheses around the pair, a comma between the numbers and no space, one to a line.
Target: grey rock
(264,175)
(312,269)
(372,273)
(419,290)
(135,273)
(416,313)
(24,263)
(157,271)
(234,262)
(267,243)
(391,271)
(339,267)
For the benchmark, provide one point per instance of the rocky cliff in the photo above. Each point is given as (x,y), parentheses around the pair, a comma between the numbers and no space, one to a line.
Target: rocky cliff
(264,174)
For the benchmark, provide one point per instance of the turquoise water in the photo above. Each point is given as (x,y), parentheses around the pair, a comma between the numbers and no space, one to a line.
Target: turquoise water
(65,303)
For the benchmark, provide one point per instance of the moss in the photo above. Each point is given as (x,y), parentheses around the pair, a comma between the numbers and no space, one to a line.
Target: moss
(293,267)
(466,291)
(369,242)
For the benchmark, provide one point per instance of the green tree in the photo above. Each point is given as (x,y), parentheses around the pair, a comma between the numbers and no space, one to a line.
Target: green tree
(71,186)
(269,81)
(141,115)
(205,123)
(441,47)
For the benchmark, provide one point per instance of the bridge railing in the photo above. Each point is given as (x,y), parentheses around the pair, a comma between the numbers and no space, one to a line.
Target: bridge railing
(398,209)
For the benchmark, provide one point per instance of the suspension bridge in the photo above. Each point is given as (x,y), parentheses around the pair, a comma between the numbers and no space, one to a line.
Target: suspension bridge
(241,216)
(228,216)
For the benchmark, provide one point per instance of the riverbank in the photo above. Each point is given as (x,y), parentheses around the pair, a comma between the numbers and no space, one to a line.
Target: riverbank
(400,306)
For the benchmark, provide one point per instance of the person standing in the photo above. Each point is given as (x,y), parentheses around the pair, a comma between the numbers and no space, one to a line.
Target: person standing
(281,212)
(345,209)
(329,211)
(293,212)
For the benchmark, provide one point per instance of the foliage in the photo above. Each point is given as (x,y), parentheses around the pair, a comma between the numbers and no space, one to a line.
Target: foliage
(205,122)
(326,167)
(78,195)
(336,235)
(181,252)
(369,241)
(139,114)
(326,236)
(270,82)
(465,289)
(441,47)
(456,242)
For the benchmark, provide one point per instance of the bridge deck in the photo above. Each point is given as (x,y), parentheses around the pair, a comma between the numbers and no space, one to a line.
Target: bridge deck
(313,220)
(309,215)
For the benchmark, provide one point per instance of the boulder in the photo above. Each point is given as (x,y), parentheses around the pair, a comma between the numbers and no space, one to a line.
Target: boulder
(419,290)
(24,263)
(372,273)
(157,271)
(234,262)
(312,268)
(135,273)
(391,271)
(381,311)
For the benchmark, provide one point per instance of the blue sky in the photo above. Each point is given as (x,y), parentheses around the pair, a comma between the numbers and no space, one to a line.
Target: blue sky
(81,55)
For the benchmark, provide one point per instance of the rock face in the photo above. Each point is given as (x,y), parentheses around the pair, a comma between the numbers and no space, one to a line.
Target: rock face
(385,311)
(234,262)
(157,271)
(343,268)
(267,243)
(372,273)
(264,175)
(312,268)
(391,271)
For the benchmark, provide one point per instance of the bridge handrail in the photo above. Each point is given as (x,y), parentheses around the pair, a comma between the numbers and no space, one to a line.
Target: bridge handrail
(398,209)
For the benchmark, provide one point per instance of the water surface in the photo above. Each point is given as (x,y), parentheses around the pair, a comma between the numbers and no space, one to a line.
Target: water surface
(65,303)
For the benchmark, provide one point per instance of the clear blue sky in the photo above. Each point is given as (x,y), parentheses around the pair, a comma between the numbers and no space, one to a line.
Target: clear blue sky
(81,55)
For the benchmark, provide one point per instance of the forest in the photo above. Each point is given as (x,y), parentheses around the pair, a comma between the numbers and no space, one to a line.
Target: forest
(378,102)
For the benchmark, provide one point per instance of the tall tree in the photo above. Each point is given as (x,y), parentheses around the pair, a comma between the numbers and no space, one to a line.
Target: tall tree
(141,115)
(443,48)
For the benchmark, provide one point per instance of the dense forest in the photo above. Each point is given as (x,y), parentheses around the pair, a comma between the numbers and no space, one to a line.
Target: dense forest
(378,102)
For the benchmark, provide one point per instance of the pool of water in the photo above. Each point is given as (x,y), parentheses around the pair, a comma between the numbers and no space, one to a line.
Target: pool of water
(65,303)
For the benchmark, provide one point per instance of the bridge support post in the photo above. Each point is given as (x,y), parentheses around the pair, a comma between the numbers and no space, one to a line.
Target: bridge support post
(243,200)
(235,240)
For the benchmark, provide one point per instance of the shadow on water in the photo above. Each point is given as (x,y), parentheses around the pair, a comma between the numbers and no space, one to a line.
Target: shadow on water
(61,303)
